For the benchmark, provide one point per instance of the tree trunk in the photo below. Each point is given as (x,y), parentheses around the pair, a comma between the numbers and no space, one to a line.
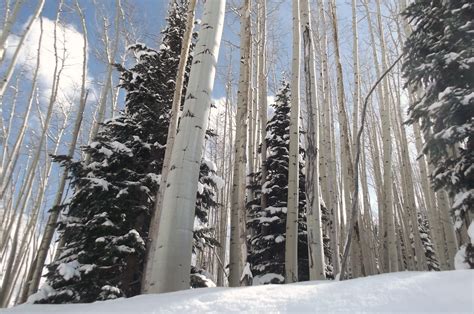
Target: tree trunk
(291,244)
(173,247)
(237,251)
(313,216)
(170,140)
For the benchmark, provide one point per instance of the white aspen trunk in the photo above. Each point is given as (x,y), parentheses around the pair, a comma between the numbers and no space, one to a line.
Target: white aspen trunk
(52,101)
(12,158)
(7,27)
(170,140)
(323,152)
(173,248)
(238,210)
(328,155)
(313,216)
(355,56)
(11,67)
(29,231)
(224,167)
(408,191)
(385,115)
(8,131)
(347,170)
(252,122)
(110,54)
(383,258)
(262,88)
(37,267)
(291,243)
(370,256)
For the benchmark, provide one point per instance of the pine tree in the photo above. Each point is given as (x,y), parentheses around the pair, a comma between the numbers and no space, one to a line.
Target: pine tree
(108,216)
(267,225)
(204,236)
(439,61)
(430,254)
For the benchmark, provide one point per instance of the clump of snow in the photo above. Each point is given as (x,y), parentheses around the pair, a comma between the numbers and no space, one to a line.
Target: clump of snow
(211,165)
(45,291)
(267,278)
(200,188)
(460,259)
(409,292)
(470,232)
(279,239)
(69,270)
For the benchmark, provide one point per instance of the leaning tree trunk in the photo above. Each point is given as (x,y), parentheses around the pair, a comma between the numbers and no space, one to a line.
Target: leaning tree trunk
(313,218)
(238,212)
(291,244)
(177,96)
(171,263)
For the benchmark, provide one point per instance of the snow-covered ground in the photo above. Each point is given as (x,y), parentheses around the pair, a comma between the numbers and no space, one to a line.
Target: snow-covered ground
(448,292)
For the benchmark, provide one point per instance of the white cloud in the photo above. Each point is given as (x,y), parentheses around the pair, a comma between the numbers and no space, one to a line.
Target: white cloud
(70,54)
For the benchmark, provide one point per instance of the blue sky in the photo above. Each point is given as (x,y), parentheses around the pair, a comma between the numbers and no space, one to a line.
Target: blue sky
(149,17)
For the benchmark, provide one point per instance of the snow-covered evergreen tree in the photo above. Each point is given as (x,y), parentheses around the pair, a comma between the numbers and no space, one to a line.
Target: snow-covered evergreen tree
(439,58)
(267,225)
(204,236)
(430,254)
(108,216)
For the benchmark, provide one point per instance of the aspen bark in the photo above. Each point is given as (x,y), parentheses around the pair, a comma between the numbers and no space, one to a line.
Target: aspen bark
(173,247)
(291,244)
(385,115)
(170,140)
(262,88)
(238,211)
(313,216)
(328,154)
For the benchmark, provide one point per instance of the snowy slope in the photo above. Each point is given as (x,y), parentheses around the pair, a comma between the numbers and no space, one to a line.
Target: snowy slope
(449,292)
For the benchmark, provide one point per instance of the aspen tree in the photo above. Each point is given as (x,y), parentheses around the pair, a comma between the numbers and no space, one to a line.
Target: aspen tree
(175,108)
(10,19)
(262,89)
(314,227)
(354,204)
(347,169)
(291,244)
(110,55)
(328,155)
(387,160)
(238,211)
(30,229)
(4,81)
(9,129)
(172,262)
(224,199)
(32,285)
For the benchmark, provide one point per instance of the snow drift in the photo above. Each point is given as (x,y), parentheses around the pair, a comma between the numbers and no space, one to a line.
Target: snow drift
(449,291)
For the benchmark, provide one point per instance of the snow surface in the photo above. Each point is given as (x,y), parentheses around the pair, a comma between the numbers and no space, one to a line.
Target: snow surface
(448,292)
